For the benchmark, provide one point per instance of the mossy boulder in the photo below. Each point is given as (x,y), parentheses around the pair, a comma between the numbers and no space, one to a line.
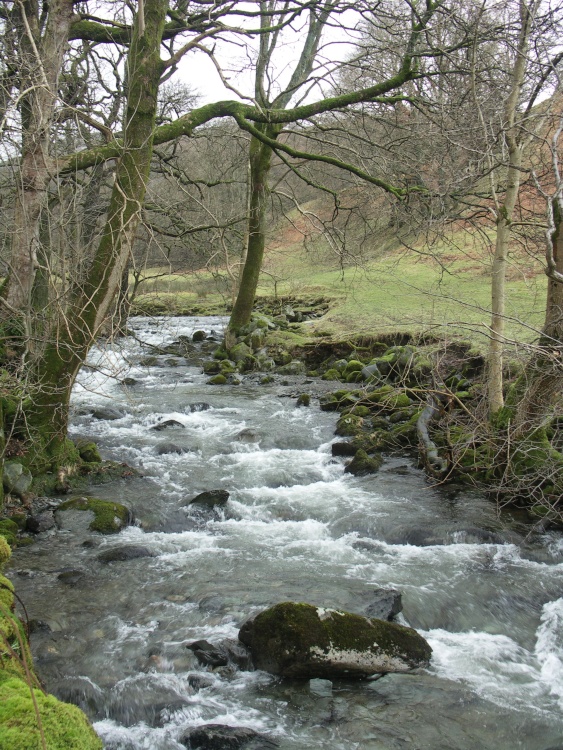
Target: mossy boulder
(5,551)
(362,464)
(303,641)
(349,425)
(241,354)
(108,517)
(212,367)
(354,365)
(217,380)
(89,452)
(63,726)
(372,442)
(16,479)
(9,532)
(379,394)
(331,374)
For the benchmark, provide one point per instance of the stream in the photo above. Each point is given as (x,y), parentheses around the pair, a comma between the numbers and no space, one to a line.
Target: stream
(485,592)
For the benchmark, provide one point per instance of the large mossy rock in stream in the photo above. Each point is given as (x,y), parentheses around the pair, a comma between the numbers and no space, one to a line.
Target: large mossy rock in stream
(104,516)
(303,641)
(63,726)
(362,464)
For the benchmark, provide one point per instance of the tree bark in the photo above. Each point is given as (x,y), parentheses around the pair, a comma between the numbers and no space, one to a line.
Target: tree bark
(542,382)
(41,61)
(514,136)
(260,162)
(75,332)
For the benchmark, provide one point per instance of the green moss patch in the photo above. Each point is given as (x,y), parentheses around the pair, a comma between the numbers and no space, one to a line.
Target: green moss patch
(64,727)
(109,518)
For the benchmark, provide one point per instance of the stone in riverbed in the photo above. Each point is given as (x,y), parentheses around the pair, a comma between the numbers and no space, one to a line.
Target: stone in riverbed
(103,516)
(386,604)
(17,480)
(363,464)
(39,522)
(164,448)
(303,641)
(223,737)
(210,498)
(122,554)
(166,424)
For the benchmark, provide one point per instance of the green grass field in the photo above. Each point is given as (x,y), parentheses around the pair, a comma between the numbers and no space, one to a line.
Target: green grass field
(400,291)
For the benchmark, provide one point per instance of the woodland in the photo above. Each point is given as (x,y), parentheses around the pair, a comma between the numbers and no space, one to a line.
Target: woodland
(437,116)
(408,131)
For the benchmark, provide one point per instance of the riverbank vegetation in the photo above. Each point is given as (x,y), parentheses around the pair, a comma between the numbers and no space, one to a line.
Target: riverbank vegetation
(406,193)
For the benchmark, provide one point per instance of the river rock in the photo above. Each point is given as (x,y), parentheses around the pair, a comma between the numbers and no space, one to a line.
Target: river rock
(363,464)
(300,640)
(163,448)
(166,424)
(210,498)
(122,554)
(107,413)
(16,479)
(198,336)
(208,654)
(39,522)
(343,449)
(198,406)
(248,435)
(386,604)
(223,737)
(90,513)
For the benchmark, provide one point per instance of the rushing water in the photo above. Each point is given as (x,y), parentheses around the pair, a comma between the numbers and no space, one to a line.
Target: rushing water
(488,598)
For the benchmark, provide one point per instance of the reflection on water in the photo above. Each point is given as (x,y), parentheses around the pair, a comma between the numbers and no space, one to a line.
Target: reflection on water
(295,527)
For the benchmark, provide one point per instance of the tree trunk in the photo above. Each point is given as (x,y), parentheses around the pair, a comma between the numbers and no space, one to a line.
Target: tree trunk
(542,382)
(75,332)
(498,281)
(41,61)
(260,161)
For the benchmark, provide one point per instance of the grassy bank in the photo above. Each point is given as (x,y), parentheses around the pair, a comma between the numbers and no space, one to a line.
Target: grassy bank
(448,294)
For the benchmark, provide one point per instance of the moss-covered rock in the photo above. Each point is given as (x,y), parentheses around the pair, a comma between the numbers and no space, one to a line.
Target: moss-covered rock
(331,374)
(378,394)
(109,517)
(5,551)
(304,400)
(63,726)
(89,452)
(17,479)
(372,442)
(359,411)
(303,641)
(217,380)
(349,425)
(362,464)
(212,367)
(354,365)
(8,531)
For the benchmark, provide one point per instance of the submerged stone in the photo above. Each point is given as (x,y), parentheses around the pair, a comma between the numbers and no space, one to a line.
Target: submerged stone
(210,498)
(300,640)
(105,516)
(223,737)
(166,424)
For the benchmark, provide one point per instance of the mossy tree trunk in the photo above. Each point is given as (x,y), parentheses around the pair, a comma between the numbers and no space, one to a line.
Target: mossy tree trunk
(542,382)
(75,331)
(41,59)
(514,135)
(260,160)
